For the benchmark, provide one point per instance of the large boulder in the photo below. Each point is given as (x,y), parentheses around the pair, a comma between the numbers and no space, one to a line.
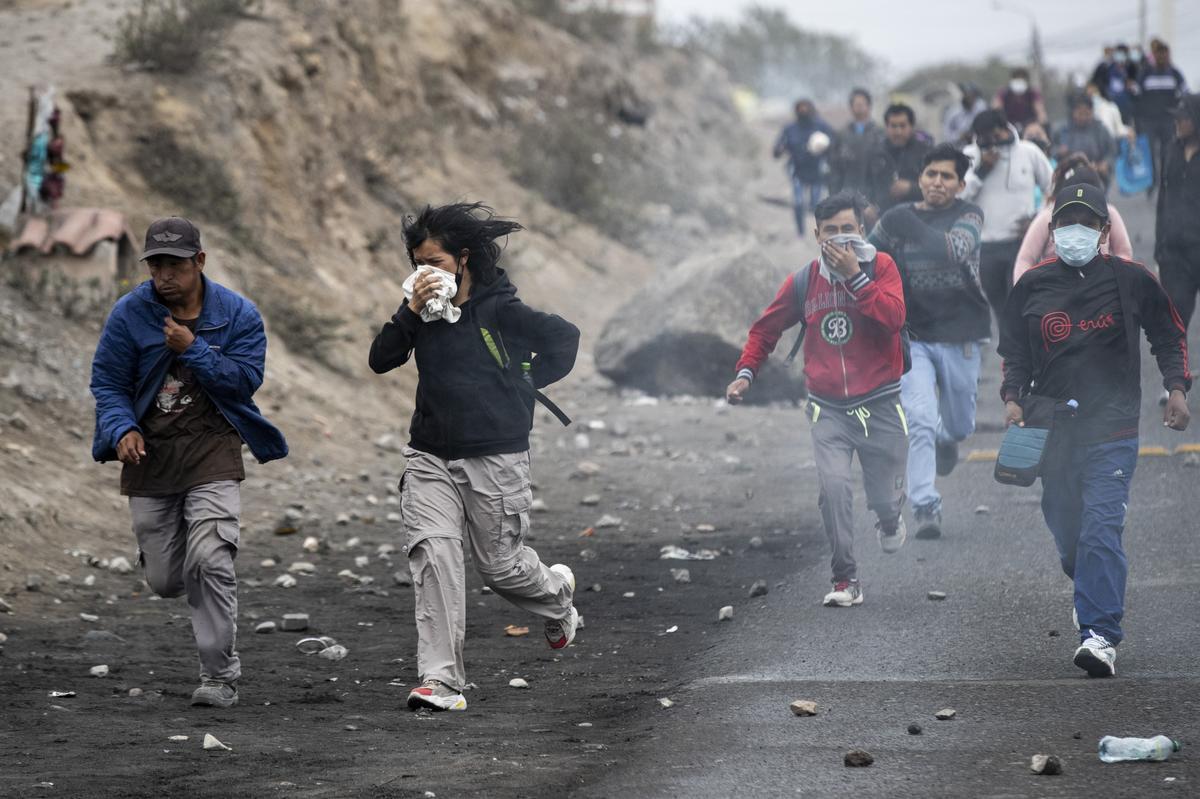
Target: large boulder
(683,333)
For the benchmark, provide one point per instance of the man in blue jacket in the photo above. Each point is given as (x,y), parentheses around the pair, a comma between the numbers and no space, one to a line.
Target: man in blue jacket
(174,374)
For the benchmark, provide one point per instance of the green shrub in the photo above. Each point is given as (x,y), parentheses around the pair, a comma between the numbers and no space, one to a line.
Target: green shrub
(173,35)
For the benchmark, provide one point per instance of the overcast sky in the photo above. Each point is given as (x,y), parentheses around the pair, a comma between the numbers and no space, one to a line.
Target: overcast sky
(909,33)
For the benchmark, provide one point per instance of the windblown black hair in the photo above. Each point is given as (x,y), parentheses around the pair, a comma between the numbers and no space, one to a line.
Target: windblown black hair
(836,203)
(473,227)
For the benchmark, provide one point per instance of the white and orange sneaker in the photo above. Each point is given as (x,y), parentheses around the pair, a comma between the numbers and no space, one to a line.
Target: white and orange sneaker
(436,695)
(561,632)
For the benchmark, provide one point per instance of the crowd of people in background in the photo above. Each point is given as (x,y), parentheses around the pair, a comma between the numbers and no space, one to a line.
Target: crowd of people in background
(1004,229)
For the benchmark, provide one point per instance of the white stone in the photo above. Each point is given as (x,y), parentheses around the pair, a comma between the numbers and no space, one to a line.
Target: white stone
(539,506)
(265,627)
(267,563)
(177,738)
(90,617)
(606,521)
(334,652)
(361,562)
(311,544)
(302,567)
(285,581)
(211,742)
(665,702)
(90,580)
(98,671)
(120,565)
(725,613)
(517,682)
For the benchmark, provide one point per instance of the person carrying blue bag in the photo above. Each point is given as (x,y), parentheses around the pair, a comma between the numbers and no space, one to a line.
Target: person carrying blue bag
(1071,332)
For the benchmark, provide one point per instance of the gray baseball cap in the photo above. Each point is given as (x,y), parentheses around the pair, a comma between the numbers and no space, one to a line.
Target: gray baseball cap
(174,236)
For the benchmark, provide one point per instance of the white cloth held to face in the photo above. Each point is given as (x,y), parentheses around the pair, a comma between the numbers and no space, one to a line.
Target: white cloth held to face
(863,251)
(440,305)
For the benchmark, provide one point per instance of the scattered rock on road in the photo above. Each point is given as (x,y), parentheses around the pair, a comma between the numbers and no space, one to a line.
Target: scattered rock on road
(285,581)
(759,588)
(982,510)
(33,582)
(936,596)
(803,707)
(915,729)
(333,652)
(517,682)
(725,613)
(265,627)
(402,578)
(590,499)
(946,714)
(1048,765)
(98,671)
(681,575)
(295,622)
(858,758)
(302,567)
(756,542)
(606,521)
(666,702)
(120,565)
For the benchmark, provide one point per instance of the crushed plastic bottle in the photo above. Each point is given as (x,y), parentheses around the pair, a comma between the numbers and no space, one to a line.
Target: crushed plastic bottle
(1116,750)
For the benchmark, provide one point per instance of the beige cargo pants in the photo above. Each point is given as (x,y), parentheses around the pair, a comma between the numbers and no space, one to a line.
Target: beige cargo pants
(187,544)
(489,499)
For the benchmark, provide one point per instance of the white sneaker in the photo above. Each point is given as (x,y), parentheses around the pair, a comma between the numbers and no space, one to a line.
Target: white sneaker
(844,594)
(436,695)
(561,632)
(892,542)
(1097,656)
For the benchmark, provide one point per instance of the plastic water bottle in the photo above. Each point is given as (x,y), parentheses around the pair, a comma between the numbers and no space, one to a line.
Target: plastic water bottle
(1115,750)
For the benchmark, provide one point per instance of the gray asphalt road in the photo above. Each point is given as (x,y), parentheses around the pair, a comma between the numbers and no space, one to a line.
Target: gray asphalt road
(998,650)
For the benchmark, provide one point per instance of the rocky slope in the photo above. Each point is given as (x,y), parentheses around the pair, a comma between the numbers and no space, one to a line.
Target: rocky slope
(298,144)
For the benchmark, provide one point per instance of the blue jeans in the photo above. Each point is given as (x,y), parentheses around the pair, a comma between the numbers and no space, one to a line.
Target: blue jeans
(801,190)
(938,395)
(1084,497)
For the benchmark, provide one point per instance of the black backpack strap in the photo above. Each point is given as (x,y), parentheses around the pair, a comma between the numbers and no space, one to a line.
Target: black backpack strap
(523,384)
(801,283)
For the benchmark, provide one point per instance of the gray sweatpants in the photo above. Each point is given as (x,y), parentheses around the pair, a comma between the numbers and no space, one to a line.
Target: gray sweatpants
(489,498)
(187,543)
(878,432)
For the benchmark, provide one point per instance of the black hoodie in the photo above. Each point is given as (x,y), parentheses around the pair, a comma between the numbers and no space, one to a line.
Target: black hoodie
(467,405)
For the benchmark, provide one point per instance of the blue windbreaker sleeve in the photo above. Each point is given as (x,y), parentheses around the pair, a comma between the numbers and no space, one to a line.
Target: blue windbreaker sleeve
(237,371)
(114,380)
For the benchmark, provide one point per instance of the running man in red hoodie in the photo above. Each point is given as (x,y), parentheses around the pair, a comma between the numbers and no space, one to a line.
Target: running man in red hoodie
(852,300)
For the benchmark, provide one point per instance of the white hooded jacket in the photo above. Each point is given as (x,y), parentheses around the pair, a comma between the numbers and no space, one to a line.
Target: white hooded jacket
(1006,194)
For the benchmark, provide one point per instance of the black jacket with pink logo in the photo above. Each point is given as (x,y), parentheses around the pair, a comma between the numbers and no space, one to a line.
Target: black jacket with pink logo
(1073,333)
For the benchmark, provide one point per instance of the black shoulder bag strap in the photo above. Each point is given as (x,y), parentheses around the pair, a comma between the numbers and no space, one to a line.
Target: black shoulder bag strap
(495,346)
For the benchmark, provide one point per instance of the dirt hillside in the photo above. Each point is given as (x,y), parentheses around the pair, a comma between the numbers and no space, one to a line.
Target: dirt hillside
(298,143)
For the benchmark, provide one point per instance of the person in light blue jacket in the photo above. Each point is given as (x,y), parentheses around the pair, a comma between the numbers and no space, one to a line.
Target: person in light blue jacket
(174,377)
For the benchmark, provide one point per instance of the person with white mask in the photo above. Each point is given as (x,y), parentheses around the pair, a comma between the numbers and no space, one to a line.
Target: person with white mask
(1071,331)
(1020,101)
(854,356)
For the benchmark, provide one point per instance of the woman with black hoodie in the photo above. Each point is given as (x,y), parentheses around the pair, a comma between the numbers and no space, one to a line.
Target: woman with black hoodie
(468,455)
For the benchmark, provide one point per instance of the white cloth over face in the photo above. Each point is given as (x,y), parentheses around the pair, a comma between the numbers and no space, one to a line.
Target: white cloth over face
(864,252)
(440,305)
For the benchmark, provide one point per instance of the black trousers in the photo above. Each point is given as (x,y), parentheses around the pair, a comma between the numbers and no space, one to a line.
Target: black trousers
(1179,271)
(996,260)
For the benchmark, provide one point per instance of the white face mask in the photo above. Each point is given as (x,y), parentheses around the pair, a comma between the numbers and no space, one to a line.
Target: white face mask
(1018,85)
(863,251)
(1077,245)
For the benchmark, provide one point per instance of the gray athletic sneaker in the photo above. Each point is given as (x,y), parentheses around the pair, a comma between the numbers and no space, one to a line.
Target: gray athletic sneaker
(215,693)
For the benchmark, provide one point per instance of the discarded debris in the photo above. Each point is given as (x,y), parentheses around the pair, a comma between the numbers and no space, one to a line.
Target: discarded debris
(606,521)
(1046,764)
(590,500)
(725,613)
(672,629)
(706,528)
(98,671)
(803,707)
(134,693)
(211,742)
(681,575)
(858,758)
(629,594)
(302,567)
(673,552)
(62,694)
(759,588)
(936,596)
(588,532)
(595,588)
(285,581)
(177,738)
(333,652)
(513,631)
(756,542)
(982,510)
(946,714)
(120,565)
(89,617)
(315,645)
(517,682)
(265,627)
(666,702)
